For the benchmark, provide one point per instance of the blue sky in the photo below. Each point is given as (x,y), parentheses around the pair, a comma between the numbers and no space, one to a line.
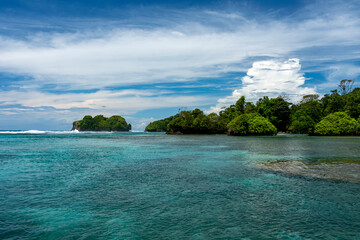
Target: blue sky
(61,60)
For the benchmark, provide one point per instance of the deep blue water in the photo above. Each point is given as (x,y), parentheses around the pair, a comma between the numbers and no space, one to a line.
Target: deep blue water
(155,186)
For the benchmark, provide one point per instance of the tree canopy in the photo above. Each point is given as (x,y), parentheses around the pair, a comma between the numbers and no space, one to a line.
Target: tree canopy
(101,123)
(195,122)
(247,118)
(159,125)
(251,124)
(276,110)
(338,123)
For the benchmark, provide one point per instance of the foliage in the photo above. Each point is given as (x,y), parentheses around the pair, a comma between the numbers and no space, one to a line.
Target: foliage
(310,111)
(240,125)
(240,105)
(251,124)
(101,123)
(338,123)
(305,115)
(333,102)
(309,98)
(118,123)
(233,111)
(345,86)
(302,122)
(160,125)
(195,122)
(276,110)
(86,124)
(228,114)
(242,118)
(352,105)
(250,108)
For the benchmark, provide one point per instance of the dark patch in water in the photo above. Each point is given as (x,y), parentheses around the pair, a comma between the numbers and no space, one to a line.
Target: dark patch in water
(348,171)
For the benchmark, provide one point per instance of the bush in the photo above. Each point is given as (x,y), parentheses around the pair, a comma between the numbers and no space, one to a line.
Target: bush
(302,123)
(195,122)
(251,124)
(335,124)
(160,125)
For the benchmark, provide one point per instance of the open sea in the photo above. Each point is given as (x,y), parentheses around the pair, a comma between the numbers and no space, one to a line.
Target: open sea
(70,185)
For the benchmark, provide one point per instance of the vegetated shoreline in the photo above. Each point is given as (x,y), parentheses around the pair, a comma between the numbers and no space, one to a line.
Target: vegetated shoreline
(279,134)
(99,123)
(335,114)
(348,171)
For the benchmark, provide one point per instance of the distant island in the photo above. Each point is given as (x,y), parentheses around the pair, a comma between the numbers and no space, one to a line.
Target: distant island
(101,123)
(335,114)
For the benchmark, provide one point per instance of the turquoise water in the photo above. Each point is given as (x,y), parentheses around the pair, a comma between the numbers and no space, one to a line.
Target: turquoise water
(155,186)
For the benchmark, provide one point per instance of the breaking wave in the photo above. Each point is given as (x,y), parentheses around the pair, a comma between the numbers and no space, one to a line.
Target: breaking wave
(39,132)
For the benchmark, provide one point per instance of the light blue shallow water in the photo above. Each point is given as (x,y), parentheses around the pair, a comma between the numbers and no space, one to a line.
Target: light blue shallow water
(155,186)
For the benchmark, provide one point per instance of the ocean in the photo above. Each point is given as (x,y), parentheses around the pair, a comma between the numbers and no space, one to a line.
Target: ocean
(71,185)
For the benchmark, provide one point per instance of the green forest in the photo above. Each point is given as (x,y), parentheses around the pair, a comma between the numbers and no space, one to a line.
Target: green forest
(101,123)
(336,113)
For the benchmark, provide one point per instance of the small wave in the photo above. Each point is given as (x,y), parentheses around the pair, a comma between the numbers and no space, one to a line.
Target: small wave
(39,132)
(34,132)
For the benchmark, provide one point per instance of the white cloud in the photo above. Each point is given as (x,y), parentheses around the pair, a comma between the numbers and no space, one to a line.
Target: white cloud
(190,50)
(339,72)
(139,124)
(269,78)
(193,46)
(125,102)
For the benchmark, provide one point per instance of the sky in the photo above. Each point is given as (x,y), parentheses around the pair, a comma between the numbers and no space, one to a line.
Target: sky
(146,60)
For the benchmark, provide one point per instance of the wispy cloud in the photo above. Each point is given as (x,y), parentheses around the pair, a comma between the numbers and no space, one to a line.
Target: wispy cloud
(180,53)
(337,72)
(126,101)
(188,46)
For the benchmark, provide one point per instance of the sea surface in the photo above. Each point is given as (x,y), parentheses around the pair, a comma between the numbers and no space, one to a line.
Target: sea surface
(70,185)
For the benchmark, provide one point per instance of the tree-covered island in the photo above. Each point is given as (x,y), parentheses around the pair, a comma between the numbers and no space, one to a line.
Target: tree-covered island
(335,114)
(160,125)
(101,123)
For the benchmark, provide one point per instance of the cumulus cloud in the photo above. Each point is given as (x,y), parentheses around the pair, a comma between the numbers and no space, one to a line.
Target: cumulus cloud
(269,78)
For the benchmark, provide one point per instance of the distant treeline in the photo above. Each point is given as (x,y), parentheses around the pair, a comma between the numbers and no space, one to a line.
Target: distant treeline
(101,123)
(336,113)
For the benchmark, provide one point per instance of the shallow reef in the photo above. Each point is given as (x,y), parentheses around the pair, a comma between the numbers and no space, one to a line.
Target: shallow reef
(348,171)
